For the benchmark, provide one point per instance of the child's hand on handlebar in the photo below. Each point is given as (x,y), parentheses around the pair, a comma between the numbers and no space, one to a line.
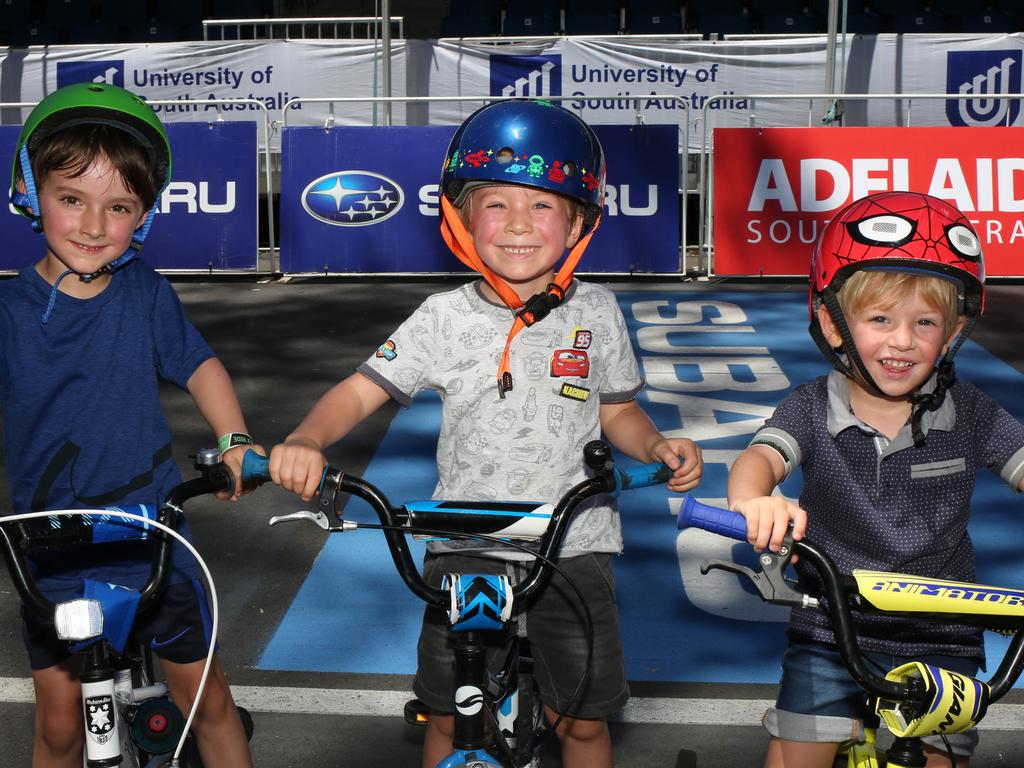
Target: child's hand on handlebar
(768,520)
(232,459)
(683,457)
(297,465)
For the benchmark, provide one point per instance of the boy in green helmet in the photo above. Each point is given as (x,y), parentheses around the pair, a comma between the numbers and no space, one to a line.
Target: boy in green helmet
(86,334)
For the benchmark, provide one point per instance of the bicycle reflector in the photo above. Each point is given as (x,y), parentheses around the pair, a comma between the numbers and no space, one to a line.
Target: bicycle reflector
(954,702)
(156,726)
(78,619)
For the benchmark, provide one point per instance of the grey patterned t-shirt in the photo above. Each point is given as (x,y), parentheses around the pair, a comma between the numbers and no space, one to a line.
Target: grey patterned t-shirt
(529,445)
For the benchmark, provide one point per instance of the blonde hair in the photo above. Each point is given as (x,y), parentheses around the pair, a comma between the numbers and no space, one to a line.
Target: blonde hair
(888,288)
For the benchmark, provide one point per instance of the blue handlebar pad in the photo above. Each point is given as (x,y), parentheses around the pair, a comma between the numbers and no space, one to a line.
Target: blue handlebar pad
(255,467)
(505,519)
(724,522)
(644,475)
(63,530)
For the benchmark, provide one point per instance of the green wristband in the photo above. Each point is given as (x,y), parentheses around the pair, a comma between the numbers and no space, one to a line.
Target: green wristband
(233,439)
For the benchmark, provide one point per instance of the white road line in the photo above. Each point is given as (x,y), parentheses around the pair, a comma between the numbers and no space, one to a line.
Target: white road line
(373,703)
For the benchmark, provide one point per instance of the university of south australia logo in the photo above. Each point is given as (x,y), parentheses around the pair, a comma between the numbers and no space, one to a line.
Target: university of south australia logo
(977,77)
(527,76)
(352,198)
(108,72)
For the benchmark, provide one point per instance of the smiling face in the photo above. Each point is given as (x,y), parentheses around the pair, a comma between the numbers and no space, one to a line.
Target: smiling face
(900,329)
(521,233)
(88,220)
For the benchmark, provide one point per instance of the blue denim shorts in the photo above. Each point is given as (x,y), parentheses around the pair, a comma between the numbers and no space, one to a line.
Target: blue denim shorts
(820,702)
(554,624)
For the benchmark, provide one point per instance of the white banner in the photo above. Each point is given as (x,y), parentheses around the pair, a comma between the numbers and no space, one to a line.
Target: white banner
(270,72)
(609,80)
(974,66)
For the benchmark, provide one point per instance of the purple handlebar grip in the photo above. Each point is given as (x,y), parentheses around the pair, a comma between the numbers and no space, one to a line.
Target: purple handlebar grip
(714,519)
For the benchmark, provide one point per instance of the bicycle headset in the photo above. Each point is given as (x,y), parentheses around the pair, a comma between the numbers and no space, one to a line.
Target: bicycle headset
(530,143)
(89,104)
(903,232)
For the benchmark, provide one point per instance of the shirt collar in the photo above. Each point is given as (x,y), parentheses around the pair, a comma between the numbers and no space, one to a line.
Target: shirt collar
(841,416)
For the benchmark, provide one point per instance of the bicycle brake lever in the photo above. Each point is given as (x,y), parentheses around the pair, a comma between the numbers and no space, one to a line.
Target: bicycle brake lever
(770,582)
(317,518)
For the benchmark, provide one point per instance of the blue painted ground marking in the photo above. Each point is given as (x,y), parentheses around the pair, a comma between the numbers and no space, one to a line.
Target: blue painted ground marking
(353,614)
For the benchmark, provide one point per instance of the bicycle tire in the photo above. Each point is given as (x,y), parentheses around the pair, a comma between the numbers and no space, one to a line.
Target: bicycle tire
(686,759)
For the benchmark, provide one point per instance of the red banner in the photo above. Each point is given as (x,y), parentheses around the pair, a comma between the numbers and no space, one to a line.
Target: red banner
(776,188)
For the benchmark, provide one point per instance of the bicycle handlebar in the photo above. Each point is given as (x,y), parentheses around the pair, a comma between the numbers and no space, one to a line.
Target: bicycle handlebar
(396,522)
(214,478)
(839,590)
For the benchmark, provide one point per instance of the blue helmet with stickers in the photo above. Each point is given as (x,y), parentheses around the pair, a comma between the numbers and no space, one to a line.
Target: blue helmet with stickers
(528,142)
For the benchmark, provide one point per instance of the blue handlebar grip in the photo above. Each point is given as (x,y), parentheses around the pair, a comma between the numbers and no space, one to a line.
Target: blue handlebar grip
(255,467)
(643,476)
(724,522)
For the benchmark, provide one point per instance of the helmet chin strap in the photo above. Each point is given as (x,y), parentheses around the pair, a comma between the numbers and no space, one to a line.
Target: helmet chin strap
(855,368)
(536,308)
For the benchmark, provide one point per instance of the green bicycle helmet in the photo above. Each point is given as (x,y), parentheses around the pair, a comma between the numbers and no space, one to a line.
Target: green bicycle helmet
(89,104)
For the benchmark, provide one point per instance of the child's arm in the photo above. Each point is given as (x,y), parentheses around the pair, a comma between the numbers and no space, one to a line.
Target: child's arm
(298,463)
(753,477)
(631,431)
(214,395)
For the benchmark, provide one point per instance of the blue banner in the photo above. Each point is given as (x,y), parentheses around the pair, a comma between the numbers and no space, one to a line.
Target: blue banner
(207,216)
(360,199)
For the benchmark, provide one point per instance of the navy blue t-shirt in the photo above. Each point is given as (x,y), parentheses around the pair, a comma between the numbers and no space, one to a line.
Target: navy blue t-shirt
(82,420)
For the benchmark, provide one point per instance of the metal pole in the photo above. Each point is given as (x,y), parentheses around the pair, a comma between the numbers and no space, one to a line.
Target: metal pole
(830,51)
(385,12)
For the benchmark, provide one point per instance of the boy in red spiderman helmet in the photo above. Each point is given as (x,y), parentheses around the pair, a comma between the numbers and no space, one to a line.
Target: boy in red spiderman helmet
(522,183)
(896,284)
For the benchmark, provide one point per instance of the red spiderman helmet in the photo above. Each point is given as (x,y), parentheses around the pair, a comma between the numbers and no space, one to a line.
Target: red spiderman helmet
(904,231)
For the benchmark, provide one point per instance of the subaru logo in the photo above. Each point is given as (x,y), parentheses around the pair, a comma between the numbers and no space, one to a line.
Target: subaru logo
(352,198)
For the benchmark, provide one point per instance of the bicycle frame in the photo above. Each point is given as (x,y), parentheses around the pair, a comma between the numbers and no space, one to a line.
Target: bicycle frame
(903,696)
(474,603)
(108,692)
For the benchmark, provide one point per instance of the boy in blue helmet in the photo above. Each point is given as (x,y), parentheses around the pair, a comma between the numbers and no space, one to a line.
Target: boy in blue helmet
(522,182)
(86,334)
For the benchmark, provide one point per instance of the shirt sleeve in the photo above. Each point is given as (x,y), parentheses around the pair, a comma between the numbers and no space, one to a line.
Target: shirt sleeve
(788,430)
(1001,438)
(623,380)
(404,364)
(179,348)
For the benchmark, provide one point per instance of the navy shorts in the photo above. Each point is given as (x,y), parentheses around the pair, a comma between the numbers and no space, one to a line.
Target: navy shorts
(554,624)
(177,628)
(820,702)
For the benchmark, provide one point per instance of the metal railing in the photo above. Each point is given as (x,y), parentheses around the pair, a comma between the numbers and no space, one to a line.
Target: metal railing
(301,28)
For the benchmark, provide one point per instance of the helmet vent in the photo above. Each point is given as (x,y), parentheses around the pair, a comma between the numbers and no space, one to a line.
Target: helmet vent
(505,155)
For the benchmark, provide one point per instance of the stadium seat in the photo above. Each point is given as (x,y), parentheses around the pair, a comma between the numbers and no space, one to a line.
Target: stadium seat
(655,23)
(896,8)
(68,13)
(724,24)
(654,6)
(863,23)
(469,26)
(120,13)
(529,26)
(154,32)
(533,8)
(592,24)
(470,8)
(30,34)
(787,24)
(917,22)
(777,7)
(995,22)
(92,33)
(17,13)
(820,8)
(722,7)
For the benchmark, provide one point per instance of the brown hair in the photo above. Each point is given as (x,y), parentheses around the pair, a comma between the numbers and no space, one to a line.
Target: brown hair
(75,149)
(890,287)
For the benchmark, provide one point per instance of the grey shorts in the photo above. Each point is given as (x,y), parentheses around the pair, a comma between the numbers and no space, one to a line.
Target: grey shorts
(820,702)
(554,624)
